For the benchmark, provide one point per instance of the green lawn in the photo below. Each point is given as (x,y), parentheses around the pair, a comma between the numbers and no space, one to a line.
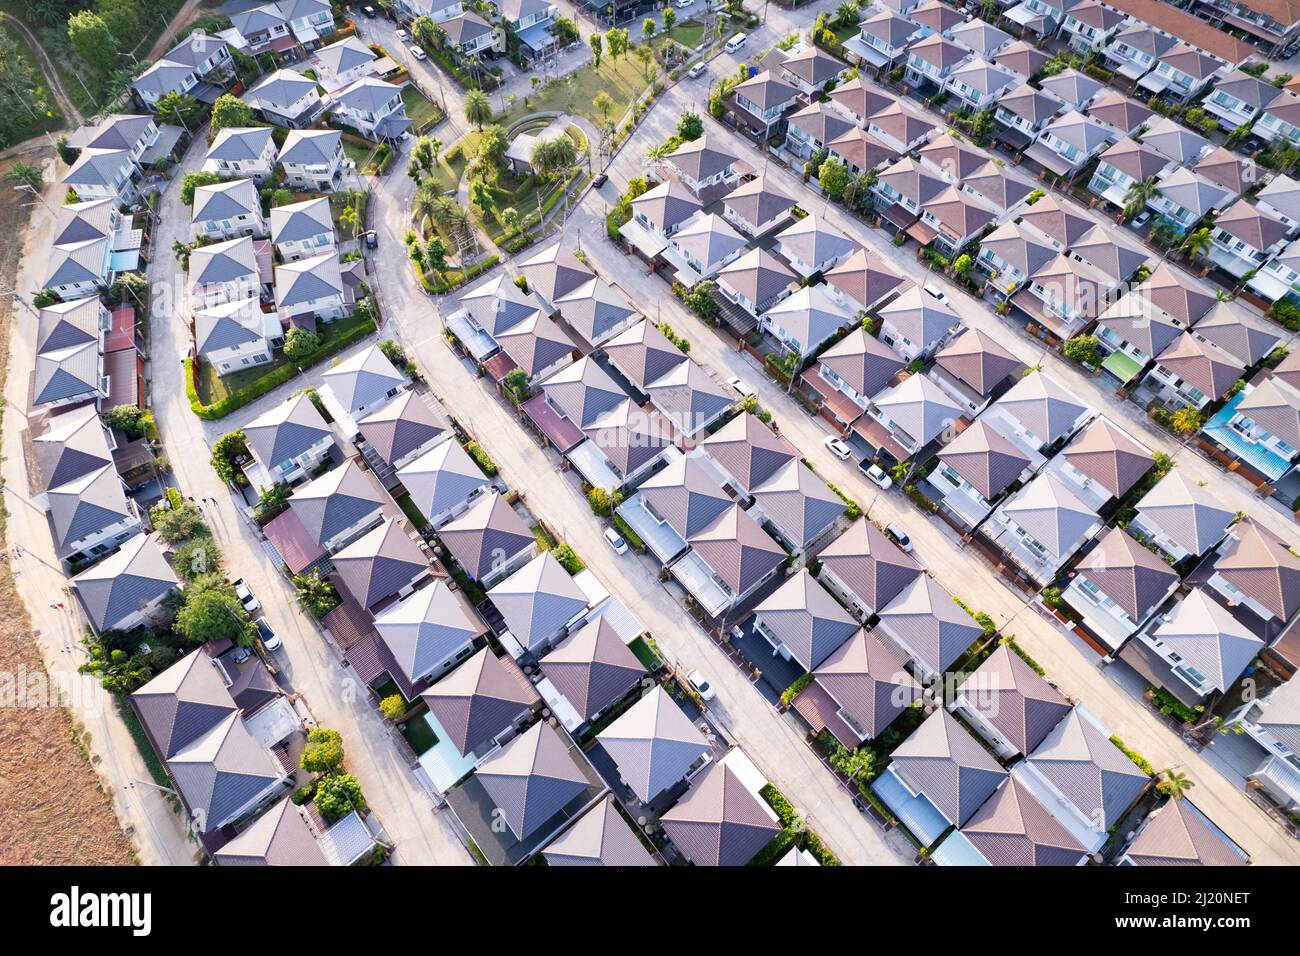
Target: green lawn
(623,79)
(412,513)
(454,159)
(689,34)
(214,388)
(359,154)
(340,201)
(645,654)
(422,111)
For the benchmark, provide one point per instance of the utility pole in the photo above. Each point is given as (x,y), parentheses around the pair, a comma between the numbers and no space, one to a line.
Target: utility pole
(28,187)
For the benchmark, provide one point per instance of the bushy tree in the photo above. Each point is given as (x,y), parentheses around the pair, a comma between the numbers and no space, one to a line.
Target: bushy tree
(616,40)
(597,43)
(1084,349)
(337,796)
(323,751)
(193,181)
(211,611)
(230,112)
(176,523)
(299,343)
(316,595)
(199,555)
(225,451)
(92,40)
(180,109)
(393,707)
(690,126)
(273,500)
(132,420)
(833,176)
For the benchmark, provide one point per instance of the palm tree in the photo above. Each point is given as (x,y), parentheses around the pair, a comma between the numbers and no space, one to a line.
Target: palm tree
(1196,244)
(424,203)
(1174,783)
(1138,195)
(478,108)
(27,175)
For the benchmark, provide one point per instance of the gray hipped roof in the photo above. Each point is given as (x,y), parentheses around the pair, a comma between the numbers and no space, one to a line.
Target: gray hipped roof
(480,699)
(122,583)
(945,763)
(532,778)
(719,822)
(653,744)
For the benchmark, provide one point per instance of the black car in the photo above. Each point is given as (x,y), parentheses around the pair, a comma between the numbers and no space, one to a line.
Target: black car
(372,240)
(368,11)
(599,181)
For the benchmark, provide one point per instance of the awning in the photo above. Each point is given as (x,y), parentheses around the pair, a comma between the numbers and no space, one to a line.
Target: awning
(559,431)
(1154,82)
(845,408)
(280,44)
(499,366)
(899,217)
(1121,365)
(1012,137)
(1046,158)
(921,232)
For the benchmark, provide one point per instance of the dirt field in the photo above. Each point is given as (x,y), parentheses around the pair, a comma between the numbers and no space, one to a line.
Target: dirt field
(53,810)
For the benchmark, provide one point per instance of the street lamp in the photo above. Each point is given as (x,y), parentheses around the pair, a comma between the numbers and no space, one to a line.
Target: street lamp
(28,187)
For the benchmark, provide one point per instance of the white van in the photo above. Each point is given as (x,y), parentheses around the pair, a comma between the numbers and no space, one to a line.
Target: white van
(735,43)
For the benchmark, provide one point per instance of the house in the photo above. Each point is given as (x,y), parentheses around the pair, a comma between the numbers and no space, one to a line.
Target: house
(260,29)
(1042,526)
(1181,518)
(800,508)
(1112,108)
(302,230)
(1021,57)
(863,280)
(595,310)
(600,837)
(338,507)
(706,243)
(916,325)
(1087,783)
(1102,463)
(663,209)
(756,207)
(187,68)
(442,481)
(934,17)
(89,515)
(489,540)
(1184,198)
(1009,704)
(1176,142)
(70,354)
(1134,51)
(908,417)
(287,443)
(1089,26)
(902,189)
(756,281)
(1076,90)
(235,335)
(286,98)
(860,151)
(1011,829)
(103,174)
(227,210)
(1036,413)
(978,36)
(1148,320)
(313,159)
(469,34)
(530,21)
(1260,426)
(858,691)
(1243,335)
(979,84)
(938,777)
(882,38)
(975,471)
(1234,173)
(308,20)
(932,60)
(858,101)
(1064,296)
(900,127)
(537,345)
(242,151)
(478,706)
(1275,37)
(1183,72)
(950,159)
(1002,192)
(1245,237)
(762,100)
(1122,166)
(382,567)
(83,252)
(344,62)
(1037,16)
(721,820)
(955,218)
(1059,226)
(802,622)
(591,670)
(655,747)
(1273,723)
(1118,586)
(973,368)
(1179,834)
(811,245)
(310,287)
(1066,144)
(1279,278)
(123,591)
(359,385)
(927,627)
(746,453)
(1239,99)
(373,107)
(852,372)
(812,128)
(1192,371)
(866,570)
(1023,112)
(701,166)
(806,320)
(1257,572)
(1281,198)
(1010,254)
(224,272)
(137,134)
(222,772)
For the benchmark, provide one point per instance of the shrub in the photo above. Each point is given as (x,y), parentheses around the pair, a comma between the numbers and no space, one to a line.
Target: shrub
(486,465)
(794,690)
(630,536)
(1084,349)
(225,451)
(568,559)
(1140,761)
(393,707)
(132,420)
(299,343)
(603,502)
(337,796)
(323,751)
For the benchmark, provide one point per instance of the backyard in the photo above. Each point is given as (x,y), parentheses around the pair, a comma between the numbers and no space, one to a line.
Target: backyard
(623,79)
(423,112)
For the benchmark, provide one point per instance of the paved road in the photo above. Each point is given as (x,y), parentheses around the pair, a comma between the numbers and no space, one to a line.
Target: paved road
(937,545)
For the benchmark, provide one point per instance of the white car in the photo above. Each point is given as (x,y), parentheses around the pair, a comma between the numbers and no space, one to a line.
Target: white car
(876,475)
(741,388)
(838,448)
(403,36)
(418,52)
(615,541)
(683,4)
(246,596)
(701,685)
(270,640)
(697,70)
(900,537)
(935,291)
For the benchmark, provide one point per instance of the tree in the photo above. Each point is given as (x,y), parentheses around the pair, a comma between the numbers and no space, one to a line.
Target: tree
(478,108)
(961,266)
(199,555)
(435,255)
(349,220)
(1196,244)
(1138,195)
(603,101)
(281,197)
(517,380)
(273,500)
(1187,420)
(229,112)
(121,17)
(176,522)
(423,154)
(597,43)
(393,707)
(92,40)
(47,297)
(338,795)
(554,157)
(225,451)
(670,17)
(180,109)
(1084,349)
(616,39)
(316,595)
(26,174)
(132,420)
(602,502)
(299,343)
(847,14)
(1174,783)
(323,752)
(211,611)
(424,203)
(648,27)
(564,31)
(193,181)
(690,126)
(510,219)
(833,176)
(481,196)
(646,55)
(395,354)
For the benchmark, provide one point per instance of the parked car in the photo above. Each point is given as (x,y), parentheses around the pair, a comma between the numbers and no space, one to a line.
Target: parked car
(683,4)
(270,640)
(372,240)
(899,537)
(368,11)
(697,70)
(838,447)
(418,52)
(599,181)
(403,36)
(246,596)
(936,292)
(876,475)
(701,685)
(615,541)
(741,388)
(1141,219)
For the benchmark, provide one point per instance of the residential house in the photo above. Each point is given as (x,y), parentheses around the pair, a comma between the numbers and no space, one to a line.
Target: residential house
(1181,518)
(226,210)
(863,281)
(1178,834)
(286,98)
(443,481)
(589,672)
(1183,72)
(663,209)
(103,174)
(1012,828)
(489,540)
(722,820)
(762,100)
(1244,238)
(1067,144)
(956,218)
(1244,335)
(908,417)
(1276,37)
(756,207)
(70,354)
(756,281)
(338,507)
(812,245)
(287,443)
(706,243)
(916,325)
(1239,99)
(1011,254)
(1037,16)
(313,159)
(857,691)
(1260,426)
(1089,26)
(1192,371)
(302,230)
(1042,526)
(1122,166)
(1021,57)
(470,35)
(809,69)
(806,320)
(139,135)
(235,335)
(883,38)
(310,287)
(1009,704)
(1176,141)
(262,28)
(902,189)
(359,385)
(224,272)
(1064,296)
(798,507)
(701,166)
(978,36)
(975,471)
(932,60)
(994,186)
(802,622)
(1112,108)
(1117,588)
(308,20)
(126,590)
(852,372)
(951,159)
(1023,112)
(655,747)
(1273,722)
(860,151)
(979,84)
(866,570)
(343,63)
(1038,412)
(243,151)
(746,454)
(1281,198)
(1102,463)
(530,21)
(1058,225)
(187,69)
(974,369)
(83,258)
(1257,574)
(1234,173)
(812,128)
(383,567)
(373,107)
(1134,51)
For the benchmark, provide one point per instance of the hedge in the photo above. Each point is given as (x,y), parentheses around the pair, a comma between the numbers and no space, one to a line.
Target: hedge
(455,279)
(272,379)
(630,536)
(1140,761)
